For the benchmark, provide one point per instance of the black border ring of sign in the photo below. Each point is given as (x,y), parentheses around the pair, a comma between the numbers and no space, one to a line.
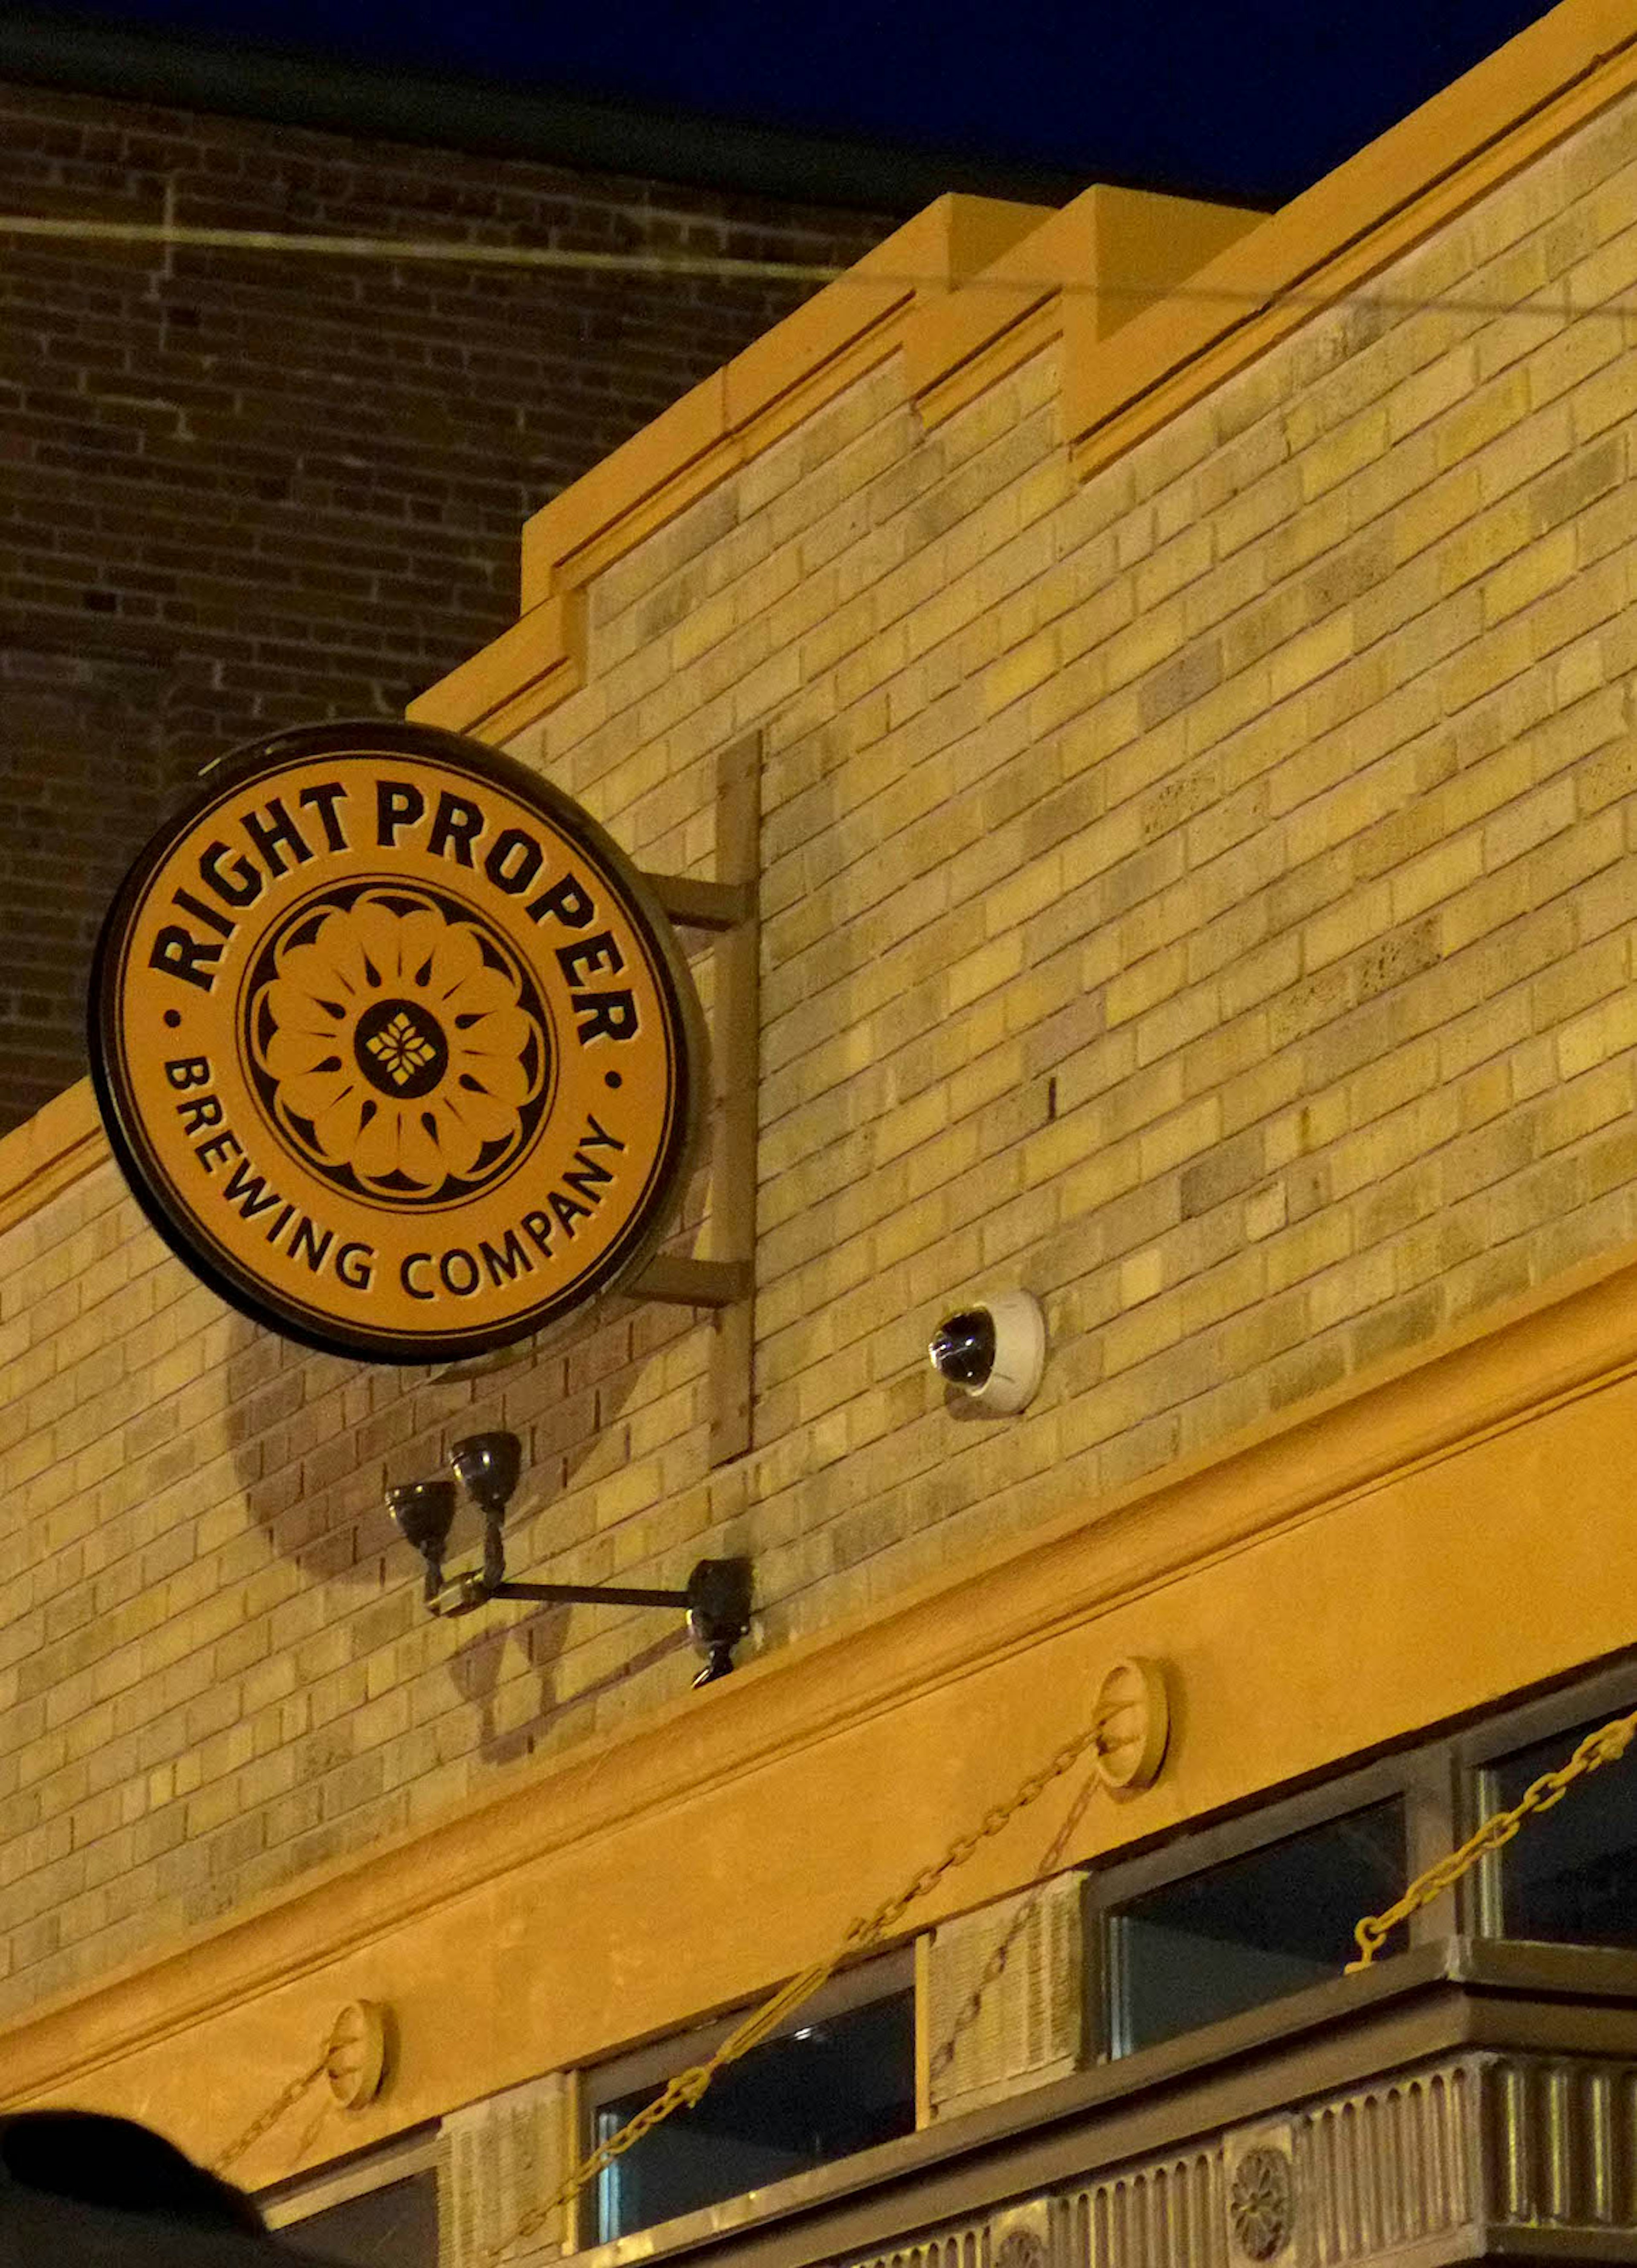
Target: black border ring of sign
(686,1036)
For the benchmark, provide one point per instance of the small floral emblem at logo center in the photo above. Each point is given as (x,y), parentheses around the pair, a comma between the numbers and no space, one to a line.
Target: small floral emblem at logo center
(401,1050)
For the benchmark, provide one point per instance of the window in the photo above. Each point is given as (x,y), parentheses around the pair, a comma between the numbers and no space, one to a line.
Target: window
(1250,1930)
(842,2079)
(1231,1917)
(392,2228)
(379,2211)
(1570,1876)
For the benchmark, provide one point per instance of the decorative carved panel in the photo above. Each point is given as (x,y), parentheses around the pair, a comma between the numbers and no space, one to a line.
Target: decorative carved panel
(1006,1999)
(967,2244)
(1388,2165)
(1167,2214)
(497,2161)
(1443,2162)
(1561,2146)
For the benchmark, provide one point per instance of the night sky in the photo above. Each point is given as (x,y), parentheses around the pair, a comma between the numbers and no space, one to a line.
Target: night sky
(1247,99)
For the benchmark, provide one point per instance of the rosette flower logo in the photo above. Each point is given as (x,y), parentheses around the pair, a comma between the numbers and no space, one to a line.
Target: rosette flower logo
(400,1045)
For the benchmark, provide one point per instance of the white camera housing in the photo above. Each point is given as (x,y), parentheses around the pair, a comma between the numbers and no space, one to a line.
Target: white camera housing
(993,1350)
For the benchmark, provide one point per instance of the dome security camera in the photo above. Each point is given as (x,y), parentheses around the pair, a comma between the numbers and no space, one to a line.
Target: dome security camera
(992,1351)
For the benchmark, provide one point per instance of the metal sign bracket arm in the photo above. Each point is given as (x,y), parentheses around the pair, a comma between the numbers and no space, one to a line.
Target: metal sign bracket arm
(725,1282)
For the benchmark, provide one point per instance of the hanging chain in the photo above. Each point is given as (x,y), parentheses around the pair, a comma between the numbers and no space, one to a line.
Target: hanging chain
(1602,1746)
(995,1967)
(275,2110)
(686,2087)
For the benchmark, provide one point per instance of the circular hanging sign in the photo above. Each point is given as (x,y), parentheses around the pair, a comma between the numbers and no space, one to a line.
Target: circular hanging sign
(395,1046)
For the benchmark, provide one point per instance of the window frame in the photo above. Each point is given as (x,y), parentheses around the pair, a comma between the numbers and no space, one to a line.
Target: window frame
(285,2205)
(1608,1692)
(879,1976)
(1420,1778)
(1444,1783)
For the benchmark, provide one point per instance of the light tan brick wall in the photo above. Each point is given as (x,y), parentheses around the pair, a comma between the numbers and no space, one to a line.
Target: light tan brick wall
(215,1670)
(1204,896)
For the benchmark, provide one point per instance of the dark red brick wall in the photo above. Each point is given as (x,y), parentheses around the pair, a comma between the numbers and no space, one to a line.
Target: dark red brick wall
(243,490)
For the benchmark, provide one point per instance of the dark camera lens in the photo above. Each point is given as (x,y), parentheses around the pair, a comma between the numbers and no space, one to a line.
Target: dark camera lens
(963,1347)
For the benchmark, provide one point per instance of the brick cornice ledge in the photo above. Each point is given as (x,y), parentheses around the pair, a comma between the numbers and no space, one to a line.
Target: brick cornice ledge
(513,679)
(50,1152)
(1328,243)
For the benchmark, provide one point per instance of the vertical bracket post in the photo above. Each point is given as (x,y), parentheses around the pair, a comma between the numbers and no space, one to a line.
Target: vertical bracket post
(725,1282)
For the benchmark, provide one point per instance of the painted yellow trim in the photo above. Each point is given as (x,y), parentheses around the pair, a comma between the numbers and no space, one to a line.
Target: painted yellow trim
(661,454)
(804,360)
(690,1861)
(1108,255)
(528,669)
(49,1152)
(1500,117)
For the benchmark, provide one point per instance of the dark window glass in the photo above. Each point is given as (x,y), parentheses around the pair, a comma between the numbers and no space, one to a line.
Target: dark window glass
(395,2227)
(1569,1877)
(1251,1930)
(821,2092)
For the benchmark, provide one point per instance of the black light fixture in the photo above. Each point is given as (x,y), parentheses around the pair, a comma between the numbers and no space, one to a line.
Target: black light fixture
(716,1600)
(425,1513)
(487,1466)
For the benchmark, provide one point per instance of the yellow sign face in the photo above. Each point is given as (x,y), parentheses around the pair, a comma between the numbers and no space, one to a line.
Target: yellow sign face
(395,1048)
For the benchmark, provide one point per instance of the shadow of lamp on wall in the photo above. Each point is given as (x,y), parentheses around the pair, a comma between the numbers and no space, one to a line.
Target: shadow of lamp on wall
(716,1599)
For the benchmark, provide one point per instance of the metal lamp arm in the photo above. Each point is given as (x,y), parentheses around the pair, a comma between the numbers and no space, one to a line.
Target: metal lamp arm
(717,1600)
(574,1594)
